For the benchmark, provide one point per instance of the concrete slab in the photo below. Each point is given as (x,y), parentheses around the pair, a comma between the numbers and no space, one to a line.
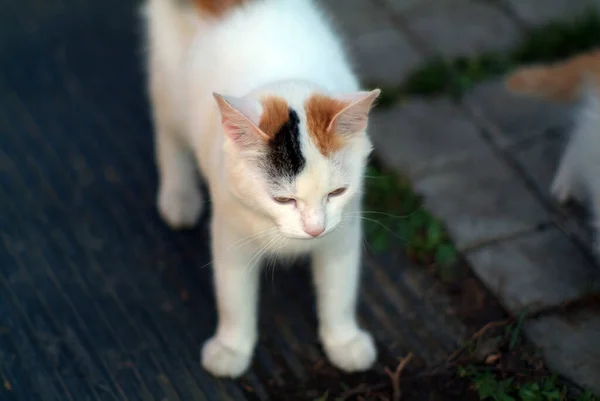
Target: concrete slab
(461,27)
(423,132)
(535,271)
(570,345)
(514,117)
(480,199)
(536,12)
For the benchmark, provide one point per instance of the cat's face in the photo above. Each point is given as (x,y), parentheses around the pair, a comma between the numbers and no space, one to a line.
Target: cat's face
(298,155)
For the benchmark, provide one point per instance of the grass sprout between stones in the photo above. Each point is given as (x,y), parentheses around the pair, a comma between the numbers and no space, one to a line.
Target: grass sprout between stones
(394,215)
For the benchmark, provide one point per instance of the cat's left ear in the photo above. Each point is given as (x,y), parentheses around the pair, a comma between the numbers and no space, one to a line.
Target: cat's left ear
(354,117)
(240,118)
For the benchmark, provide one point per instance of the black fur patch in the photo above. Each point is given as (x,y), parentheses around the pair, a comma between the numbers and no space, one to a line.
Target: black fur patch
(284,157)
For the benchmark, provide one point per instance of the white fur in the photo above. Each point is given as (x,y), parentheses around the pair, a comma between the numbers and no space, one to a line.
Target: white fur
(282,47)
(578,174)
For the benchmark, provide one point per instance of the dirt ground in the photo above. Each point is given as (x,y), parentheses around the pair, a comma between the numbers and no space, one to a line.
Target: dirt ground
(496,348)
(410,379)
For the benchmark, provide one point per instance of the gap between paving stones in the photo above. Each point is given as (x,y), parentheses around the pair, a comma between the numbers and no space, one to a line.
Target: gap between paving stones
(489,130)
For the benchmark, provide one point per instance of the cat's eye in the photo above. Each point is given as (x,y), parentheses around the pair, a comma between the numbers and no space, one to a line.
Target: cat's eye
(283,200)
(337,192)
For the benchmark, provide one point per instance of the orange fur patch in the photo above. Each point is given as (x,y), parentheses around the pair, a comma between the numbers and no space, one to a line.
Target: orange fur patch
(320,111)
(558,81)
(275,114)
(217,7)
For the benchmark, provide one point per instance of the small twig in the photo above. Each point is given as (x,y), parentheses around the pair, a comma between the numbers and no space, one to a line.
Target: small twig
(248,387)
(491,325)
(478,333)
(353,391)
(318,364)
(361,388)
(395,376)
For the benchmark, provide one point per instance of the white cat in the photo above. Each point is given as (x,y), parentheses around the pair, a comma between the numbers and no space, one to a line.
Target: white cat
(578,175)
(261,96)
(576,78)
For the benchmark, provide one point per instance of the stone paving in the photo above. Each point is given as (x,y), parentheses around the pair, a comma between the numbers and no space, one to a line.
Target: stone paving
(484,164)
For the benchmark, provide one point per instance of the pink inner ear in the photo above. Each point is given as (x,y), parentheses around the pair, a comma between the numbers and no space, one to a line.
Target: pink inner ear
(353,119)
(231,130)
(239,118)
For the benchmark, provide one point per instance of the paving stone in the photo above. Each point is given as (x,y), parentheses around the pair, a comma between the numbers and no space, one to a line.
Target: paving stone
(415,135)
(570,346)
(515,117)
(382,54)
(384,57)
(461,27)
(402,6)
(539,158)
(534,271)
(537,12)
(480,199)
(357,17)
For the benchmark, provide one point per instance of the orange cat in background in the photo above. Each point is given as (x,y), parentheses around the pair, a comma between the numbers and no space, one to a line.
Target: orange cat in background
(577,78)
(560,81)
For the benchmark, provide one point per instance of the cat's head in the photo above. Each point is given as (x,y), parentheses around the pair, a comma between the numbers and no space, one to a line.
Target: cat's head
(297,154)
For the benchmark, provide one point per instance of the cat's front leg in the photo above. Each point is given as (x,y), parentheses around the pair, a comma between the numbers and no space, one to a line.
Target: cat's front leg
(236,278)
(336,273)
(179,200)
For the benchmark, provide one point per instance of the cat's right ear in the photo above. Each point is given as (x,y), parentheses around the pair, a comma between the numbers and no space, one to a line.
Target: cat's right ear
(240,118)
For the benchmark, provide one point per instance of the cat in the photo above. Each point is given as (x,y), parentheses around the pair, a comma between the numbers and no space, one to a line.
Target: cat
(560,81)
(574,79)
(261,95)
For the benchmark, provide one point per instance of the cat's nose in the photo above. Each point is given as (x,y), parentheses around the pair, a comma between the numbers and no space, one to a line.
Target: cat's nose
(314,231)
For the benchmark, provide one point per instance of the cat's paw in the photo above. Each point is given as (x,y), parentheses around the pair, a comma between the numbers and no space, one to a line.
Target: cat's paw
(356,355)
(180,208)
(561,189)
(223,361)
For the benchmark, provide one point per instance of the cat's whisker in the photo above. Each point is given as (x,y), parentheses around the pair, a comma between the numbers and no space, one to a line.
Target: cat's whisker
(384,214)
(250,238)
(280,243)
(285,242)
(269,247)
(260,252)
(381,224)
(247,239)
(364,243)
(208,264)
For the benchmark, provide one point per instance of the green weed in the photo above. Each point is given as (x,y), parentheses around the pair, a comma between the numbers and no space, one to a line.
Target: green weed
(393,215)
(490,387)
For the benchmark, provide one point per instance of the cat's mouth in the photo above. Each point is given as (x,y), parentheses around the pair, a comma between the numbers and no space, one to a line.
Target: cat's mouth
(303,237)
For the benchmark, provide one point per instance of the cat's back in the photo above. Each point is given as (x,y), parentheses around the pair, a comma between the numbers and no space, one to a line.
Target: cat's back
(260,41)
(559,81)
